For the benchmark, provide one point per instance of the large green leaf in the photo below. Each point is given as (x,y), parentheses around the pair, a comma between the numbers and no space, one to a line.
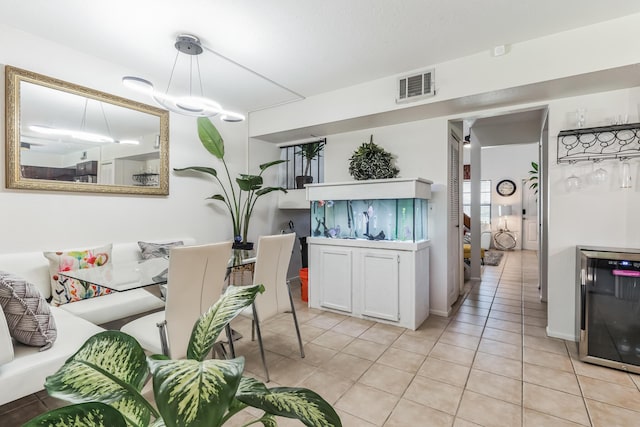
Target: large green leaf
(204,169)
(193,393)
(210,137)
(94,414)
(217,197)
(249,182)
(269,190)
(300,403)
(110,368)
(208,327)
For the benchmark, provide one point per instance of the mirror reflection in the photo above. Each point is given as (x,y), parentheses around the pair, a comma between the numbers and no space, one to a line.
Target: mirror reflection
(66,137)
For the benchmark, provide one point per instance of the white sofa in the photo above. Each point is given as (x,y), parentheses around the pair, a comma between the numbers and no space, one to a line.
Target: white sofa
(23,369)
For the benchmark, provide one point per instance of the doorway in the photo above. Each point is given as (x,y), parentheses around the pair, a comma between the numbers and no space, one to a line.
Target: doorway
(505,131)
(529,216)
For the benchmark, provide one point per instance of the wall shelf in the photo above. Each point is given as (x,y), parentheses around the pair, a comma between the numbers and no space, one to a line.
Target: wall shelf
(599,143)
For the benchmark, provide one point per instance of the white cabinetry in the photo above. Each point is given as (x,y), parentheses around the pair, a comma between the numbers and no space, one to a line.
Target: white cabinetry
(383,281)
(334,269)
(379,281)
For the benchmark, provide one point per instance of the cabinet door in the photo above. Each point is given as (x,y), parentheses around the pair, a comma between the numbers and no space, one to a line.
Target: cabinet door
(380,284)
(335,279)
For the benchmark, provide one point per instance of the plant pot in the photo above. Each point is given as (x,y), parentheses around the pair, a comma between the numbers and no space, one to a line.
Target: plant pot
(302,180)
(304,284)
(247,246)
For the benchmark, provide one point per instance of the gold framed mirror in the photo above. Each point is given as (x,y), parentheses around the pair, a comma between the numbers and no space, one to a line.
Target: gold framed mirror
(64,137)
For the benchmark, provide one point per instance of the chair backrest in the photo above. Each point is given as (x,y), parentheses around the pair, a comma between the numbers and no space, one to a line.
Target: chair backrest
(195,282)
(272,262)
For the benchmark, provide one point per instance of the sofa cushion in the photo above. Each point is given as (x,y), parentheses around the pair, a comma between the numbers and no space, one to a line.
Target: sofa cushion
(27,372)
(116,305)
(157,250)
(6,344)
(65,290)
(26,311)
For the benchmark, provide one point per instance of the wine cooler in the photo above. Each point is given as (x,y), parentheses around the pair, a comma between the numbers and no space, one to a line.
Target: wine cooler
(609,306)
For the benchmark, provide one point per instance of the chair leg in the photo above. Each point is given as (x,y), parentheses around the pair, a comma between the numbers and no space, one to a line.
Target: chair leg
(232,349)
(257,328)
(162,330)
(295,320)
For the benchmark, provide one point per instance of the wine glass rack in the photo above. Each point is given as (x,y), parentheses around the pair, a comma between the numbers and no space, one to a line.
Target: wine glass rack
(599,143)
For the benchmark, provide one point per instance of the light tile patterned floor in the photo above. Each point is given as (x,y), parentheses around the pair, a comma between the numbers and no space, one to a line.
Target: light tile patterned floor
(490,364)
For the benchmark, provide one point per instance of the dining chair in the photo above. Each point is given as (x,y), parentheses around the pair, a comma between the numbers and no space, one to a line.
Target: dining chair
(195,281)
(272,262)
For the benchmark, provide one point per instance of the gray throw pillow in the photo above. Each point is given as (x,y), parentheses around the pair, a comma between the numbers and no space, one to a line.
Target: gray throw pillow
(28,315)
(157,250)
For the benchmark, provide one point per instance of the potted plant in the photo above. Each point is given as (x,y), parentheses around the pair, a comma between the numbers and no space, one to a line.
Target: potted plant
(533,177)
(105,378)
(370,161)
(308,152)
(240,202)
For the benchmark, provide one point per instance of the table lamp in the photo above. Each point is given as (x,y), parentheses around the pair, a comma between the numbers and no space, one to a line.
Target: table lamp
(504,211)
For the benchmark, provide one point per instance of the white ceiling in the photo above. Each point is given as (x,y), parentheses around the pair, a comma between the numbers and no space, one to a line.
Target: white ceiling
(306,46)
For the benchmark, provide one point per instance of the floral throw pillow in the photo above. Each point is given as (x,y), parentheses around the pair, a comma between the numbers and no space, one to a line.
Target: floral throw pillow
(64,289)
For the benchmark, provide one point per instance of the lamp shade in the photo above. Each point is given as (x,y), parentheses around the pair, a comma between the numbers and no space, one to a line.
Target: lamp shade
(504,210)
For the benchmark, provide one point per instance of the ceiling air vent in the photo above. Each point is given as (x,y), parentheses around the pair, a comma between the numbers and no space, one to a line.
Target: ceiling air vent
(415,87)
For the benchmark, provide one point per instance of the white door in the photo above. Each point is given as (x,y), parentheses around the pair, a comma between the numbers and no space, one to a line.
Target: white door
(455,279)
(529,217)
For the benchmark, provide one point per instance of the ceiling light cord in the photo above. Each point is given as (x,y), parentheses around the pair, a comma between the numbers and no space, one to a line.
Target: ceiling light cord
(173,69)
(189,105)
(255,73)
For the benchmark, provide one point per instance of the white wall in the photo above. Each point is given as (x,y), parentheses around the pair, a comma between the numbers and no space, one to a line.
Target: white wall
(34,220)
(603,215)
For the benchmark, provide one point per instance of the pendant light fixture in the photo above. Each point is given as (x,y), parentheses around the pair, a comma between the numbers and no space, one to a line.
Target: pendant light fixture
(189,105)
(81,133)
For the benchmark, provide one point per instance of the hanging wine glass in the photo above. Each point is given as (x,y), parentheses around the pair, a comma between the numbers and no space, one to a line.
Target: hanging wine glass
(573,182)
(598,176)
(625,173)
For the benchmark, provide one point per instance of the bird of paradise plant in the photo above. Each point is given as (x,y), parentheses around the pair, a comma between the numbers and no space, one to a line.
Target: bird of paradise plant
(105,377)
(240,208)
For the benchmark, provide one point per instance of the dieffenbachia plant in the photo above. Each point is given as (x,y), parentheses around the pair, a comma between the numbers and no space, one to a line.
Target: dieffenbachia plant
(105,377)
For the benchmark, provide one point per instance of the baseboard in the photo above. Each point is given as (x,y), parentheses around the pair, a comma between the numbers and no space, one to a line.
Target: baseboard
(440,313)
(566,337)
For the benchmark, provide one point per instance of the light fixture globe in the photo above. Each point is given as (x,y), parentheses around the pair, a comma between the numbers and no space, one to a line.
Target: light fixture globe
(188,105)
(138,84)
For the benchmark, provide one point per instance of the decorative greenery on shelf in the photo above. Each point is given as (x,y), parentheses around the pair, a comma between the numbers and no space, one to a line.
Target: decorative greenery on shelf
(370,161)
(105,378)
(240,208)
(309,152)
(533,177)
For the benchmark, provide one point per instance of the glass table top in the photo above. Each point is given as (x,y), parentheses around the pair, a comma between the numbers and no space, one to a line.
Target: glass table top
(139,274)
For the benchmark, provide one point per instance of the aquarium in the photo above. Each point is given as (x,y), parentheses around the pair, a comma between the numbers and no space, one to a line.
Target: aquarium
(376,219)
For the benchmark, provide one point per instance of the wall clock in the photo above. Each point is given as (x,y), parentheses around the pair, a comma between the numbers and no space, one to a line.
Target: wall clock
(506,187)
